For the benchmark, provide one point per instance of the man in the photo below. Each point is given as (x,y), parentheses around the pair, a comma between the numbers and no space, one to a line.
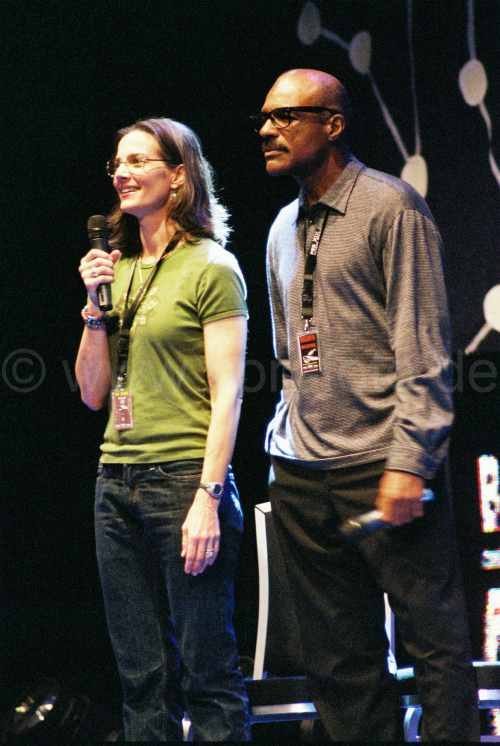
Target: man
(361,329)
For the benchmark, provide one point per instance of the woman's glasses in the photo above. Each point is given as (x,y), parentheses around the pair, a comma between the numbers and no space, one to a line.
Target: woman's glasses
(134,163)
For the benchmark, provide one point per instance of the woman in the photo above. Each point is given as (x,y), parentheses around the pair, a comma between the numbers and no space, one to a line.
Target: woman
(168,519)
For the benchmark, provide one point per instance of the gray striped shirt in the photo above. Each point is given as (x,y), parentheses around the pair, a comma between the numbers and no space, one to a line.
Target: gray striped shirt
(380,310)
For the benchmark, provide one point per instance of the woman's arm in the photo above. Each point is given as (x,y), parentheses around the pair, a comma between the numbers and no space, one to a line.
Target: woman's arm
(93,366)
(225,343)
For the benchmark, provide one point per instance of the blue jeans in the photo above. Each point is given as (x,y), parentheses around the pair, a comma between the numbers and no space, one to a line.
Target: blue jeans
(171,632)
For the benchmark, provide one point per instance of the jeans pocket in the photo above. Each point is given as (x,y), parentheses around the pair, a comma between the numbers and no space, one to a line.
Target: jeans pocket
(187,470)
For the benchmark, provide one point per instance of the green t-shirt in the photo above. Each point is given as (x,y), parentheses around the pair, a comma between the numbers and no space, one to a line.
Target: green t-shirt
(166,373)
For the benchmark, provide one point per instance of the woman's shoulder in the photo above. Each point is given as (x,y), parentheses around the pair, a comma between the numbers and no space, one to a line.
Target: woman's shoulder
(208,252)
(216,267)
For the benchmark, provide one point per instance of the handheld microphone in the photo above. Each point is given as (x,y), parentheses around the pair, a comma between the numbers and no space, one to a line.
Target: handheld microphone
(97,230)
(355,529)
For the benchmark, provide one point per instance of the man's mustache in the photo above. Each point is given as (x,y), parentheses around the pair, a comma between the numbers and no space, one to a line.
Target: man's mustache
(266,146)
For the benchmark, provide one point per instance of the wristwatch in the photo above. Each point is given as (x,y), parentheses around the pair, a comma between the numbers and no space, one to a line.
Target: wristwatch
(214,489)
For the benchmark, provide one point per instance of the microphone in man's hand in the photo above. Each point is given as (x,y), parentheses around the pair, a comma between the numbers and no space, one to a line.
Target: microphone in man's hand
(97,229)
(355,529)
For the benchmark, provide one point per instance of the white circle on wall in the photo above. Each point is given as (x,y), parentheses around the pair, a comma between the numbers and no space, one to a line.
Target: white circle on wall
(473,82)
(309,26)
(491,307)
(360,52)
(415,173)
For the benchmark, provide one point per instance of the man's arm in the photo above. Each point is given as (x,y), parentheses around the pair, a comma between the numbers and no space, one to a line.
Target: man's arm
(419,331)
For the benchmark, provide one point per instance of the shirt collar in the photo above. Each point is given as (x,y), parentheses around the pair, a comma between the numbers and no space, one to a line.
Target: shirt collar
(338,195)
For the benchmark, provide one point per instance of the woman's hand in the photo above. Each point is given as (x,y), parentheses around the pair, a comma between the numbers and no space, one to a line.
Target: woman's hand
(93,365)
(96,268)
(201,533)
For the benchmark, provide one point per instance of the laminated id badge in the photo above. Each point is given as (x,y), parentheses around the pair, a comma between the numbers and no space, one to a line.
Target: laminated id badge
(309,352)
(122,410)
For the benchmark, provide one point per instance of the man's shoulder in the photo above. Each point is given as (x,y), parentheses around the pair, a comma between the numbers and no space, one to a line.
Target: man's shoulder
(391,190)
(286,219)
(288,213)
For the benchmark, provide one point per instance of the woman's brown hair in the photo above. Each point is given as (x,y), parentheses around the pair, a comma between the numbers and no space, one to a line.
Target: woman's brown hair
(196,209)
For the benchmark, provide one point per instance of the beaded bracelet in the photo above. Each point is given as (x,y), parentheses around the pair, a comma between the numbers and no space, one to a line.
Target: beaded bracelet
(94,322)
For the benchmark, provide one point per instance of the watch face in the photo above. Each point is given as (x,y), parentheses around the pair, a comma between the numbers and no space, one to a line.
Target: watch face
(213,488)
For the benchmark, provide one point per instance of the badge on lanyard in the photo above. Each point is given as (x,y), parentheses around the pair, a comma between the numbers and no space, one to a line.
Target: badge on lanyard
(309,352)
(122,410)
(309,341)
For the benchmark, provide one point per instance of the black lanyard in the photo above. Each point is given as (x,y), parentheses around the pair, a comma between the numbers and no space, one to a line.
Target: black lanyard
(130,312)
(309,267)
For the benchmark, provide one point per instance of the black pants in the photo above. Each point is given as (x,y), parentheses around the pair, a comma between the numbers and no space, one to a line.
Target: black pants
(338,591)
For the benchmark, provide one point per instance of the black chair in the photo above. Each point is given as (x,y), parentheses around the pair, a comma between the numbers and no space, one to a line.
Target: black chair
(278,690)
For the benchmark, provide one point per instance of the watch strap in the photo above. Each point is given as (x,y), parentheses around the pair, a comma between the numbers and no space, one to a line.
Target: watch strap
(214,489)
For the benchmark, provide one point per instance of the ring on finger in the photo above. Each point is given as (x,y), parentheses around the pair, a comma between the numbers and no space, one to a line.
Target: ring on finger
(209,553)
(94,272)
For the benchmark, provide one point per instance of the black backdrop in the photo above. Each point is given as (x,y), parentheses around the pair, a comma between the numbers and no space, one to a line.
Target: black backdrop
(72,74)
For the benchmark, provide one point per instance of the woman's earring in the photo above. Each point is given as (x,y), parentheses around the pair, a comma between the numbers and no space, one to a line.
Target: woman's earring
(174,195)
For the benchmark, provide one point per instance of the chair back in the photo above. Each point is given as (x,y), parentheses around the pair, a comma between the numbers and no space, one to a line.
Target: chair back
(278,650)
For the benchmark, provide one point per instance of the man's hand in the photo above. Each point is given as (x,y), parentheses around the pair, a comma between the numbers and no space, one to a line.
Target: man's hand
(201,533)
(399,497)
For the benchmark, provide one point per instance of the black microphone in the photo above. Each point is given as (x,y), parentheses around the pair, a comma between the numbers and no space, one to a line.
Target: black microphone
(97,229)
(355,529)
